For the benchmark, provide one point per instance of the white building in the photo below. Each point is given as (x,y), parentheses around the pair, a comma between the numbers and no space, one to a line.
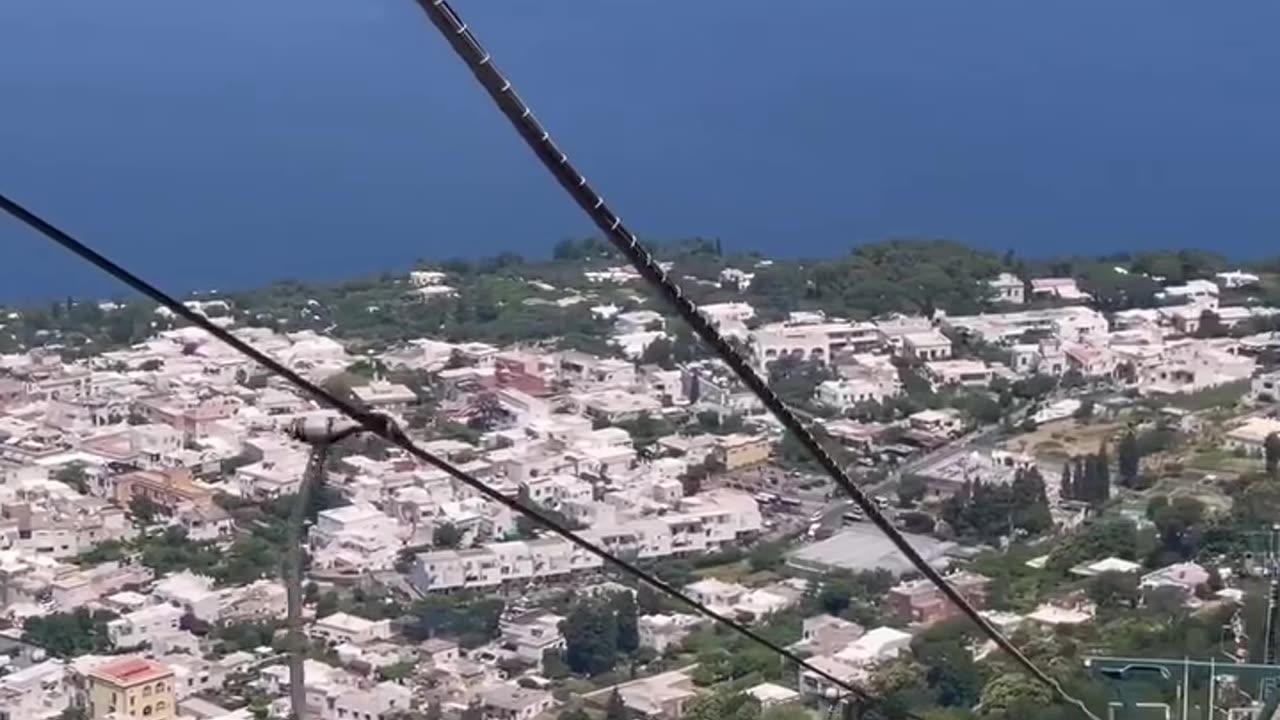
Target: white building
(1193,291)
(969,373)
(810,341)
(341,627)
(1065,323)
(145,626)
(842,394)
(704,522)
(1236,279)
(928,345)
(1194,365)
(512,702)
(1060,288)
(1252,435)
(532,634)
(383,395)
(1265,388)
(1008,288)
(662,631)
(1043,358)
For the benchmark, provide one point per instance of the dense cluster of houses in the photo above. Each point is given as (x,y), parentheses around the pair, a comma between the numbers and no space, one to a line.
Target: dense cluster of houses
(181,422)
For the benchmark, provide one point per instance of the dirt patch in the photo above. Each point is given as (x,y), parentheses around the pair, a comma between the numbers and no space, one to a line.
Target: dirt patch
(1057,441)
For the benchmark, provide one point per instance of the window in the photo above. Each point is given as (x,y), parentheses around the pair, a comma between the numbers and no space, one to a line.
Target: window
(160,706)
(146,711)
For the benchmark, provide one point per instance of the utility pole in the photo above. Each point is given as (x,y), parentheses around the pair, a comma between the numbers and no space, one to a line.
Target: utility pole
(320,434)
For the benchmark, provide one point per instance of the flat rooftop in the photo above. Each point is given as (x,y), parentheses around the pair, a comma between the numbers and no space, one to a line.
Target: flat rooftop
(862,547)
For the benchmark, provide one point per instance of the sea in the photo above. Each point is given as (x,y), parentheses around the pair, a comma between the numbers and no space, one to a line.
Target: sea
(219,145)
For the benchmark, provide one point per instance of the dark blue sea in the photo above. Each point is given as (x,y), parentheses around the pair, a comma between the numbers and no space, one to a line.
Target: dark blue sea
(222,144)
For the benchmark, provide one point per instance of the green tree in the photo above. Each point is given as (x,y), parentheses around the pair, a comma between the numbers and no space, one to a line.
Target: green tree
(65,635)
(911,490)
(1030,502)
(1013,696)
(446,535)
(473,620)
(767,555)
(145,510)
(660,352)
(1129,459)
(1271,448)
(1210,325)
(575,713)
(1100,539)
(1180,527)
(836,595)
(1066,487)
(624,608)
(591,638)
(73,474)
(949,670)
(1103,463)
(1111,590)
(921,523)
(722,705)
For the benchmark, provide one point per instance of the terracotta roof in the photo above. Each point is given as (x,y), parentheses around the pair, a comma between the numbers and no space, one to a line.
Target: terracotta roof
(130,671)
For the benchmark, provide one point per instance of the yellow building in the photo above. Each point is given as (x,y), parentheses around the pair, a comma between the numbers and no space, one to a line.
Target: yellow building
(130,687)
(740,450)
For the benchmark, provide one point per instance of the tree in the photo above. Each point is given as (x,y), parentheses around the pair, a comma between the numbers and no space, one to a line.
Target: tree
(1210,325)
(767,555)
(553,665)
(73,474)
(591,638)
(474,621)
(1030,502)
(615,708)
(1129,459)
(1103,468)
(1066,489)
(575,713)
(1180,527)
(327,604)
(1013,696)
(836,595)
(65,635)
(145,510)
(917,522)
(446,535)
(660,353)
(911,490)
(1114,590)
(949,669)
(624,607)
(723,704)
(1104,538)
(1271,448)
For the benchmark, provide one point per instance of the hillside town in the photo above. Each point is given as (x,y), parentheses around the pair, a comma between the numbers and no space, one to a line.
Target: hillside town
(1084,475)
